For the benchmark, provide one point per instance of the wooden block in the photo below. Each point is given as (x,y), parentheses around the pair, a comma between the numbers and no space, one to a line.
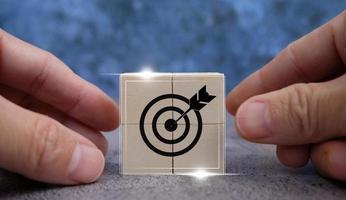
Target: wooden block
(161,115)
(187,84)
(207,155)
(137,91)
(137,158)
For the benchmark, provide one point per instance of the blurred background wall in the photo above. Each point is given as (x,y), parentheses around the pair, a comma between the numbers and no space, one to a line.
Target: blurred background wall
(93,37)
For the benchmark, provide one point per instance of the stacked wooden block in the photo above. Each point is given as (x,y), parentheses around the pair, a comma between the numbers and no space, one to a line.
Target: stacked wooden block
(172,123)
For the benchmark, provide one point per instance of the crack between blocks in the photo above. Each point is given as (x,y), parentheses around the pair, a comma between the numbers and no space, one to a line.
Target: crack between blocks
(172,90)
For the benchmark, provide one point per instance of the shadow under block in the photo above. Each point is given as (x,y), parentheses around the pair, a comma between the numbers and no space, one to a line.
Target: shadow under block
(138,91)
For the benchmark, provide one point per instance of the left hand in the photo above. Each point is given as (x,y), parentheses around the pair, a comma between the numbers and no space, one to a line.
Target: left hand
(50,118)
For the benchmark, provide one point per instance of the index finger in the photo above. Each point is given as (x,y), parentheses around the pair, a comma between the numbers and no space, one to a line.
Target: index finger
(312,58)
(42,75)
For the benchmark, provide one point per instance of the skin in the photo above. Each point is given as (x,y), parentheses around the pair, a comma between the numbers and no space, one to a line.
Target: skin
(50,119)
(297,101)
(49,132)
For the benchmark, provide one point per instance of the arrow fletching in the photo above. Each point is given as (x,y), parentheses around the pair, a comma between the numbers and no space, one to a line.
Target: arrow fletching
(200,99)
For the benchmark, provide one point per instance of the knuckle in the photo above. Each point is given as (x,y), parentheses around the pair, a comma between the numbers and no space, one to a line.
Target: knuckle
(77,101)
(297,68)
(42,76)
(44,144)
(302,109)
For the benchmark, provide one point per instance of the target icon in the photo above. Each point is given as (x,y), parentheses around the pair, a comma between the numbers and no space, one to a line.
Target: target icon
(195,104)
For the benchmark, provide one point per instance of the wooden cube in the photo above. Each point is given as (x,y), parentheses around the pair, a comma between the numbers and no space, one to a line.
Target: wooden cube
(172,123)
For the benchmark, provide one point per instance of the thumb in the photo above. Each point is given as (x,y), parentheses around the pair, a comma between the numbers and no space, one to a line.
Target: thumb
(298,114)
(41,148)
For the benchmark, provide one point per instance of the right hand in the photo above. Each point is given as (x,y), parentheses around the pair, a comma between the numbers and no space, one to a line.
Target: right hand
(298,101)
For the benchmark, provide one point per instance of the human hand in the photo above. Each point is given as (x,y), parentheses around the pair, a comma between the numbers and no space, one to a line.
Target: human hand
(50,118)
(298,101)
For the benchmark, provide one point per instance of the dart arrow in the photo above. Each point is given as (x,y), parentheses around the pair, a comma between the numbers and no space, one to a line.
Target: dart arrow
(198,101)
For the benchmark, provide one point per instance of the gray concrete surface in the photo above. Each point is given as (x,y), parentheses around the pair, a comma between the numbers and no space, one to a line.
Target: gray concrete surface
(261,177)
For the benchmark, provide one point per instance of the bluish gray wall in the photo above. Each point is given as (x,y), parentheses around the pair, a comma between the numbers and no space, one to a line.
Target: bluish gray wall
(231,36)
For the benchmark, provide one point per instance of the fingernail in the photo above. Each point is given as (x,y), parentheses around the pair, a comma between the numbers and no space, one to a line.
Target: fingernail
(253,120)
(86,164)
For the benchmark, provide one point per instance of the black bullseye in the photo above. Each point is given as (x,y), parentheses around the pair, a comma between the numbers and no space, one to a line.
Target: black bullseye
(171,125)
(156,132)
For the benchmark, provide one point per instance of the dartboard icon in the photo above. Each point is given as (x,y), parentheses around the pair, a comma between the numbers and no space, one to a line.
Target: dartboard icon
(194,104)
